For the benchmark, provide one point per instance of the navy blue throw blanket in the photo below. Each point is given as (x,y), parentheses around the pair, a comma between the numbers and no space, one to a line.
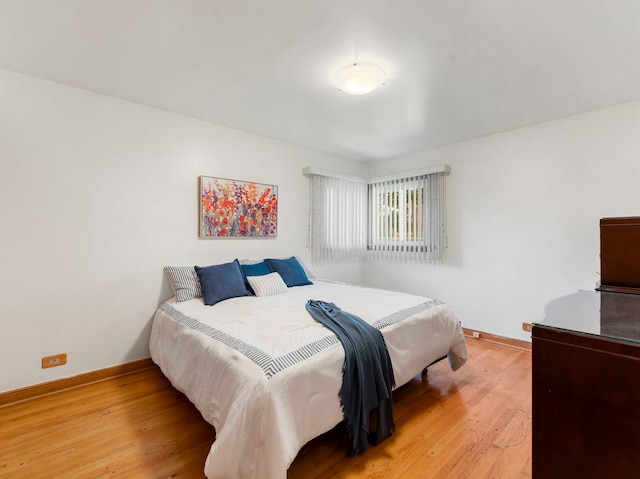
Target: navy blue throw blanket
(367,374)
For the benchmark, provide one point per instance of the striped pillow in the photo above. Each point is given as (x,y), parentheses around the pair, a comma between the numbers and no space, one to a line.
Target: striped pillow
(267,284)
(184,281)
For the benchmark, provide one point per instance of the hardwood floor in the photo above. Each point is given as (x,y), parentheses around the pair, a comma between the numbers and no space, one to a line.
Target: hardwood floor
(474,423)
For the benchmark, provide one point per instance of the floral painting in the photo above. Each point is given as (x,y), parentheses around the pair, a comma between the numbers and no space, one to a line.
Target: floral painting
(237,208)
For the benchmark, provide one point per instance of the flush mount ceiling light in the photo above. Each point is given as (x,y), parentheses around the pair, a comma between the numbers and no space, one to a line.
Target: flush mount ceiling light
(360,78)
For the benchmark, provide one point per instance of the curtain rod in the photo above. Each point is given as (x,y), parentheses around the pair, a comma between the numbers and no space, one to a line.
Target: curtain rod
(431,170)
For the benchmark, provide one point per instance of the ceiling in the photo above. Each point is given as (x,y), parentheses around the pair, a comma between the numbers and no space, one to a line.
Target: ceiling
(458,69)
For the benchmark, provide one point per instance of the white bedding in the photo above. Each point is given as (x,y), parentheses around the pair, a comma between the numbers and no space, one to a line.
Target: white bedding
(266,375)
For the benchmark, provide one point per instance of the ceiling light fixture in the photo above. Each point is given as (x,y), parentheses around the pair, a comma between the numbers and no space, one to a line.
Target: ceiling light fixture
(360,78)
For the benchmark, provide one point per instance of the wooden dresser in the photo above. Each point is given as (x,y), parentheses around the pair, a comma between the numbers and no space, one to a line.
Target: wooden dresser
(586,374)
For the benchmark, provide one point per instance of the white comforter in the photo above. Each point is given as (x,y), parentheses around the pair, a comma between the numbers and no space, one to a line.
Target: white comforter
(266,375)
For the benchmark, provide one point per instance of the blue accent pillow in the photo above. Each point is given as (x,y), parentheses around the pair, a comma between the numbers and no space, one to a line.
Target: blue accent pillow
(256,269)
(291,271)
(221,281)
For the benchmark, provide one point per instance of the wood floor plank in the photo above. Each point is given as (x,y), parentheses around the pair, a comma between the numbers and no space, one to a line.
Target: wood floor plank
(473,423)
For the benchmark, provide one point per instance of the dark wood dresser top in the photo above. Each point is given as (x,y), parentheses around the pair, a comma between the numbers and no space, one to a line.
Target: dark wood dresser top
(614,316)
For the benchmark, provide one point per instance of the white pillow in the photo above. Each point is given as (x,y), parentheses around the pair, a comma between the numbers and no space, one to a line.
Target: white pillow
(267,284)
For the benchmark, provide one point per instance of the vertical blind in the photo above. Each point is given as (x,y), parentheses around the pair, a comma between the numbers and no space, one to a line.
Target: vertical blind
(338,222)
(407,218)
(399,217)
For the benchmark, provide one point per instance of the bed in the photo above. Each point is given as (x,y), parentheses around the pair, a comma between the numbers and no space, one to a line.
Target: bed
(267,376)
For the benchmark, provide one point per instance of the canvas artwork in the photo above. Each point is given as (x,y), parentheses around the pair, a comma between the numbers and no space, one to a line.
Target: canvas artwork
(231,208)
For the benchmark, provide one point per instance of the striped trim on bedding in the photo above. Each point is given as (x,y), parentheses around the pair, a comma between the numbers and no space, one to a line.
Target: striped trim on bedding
(405,313)
(251,352)
(270,365)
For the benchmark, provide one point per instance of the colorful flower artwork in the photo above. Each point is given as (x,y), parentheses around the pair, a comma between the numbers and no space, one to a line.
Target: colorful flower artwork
(237,208)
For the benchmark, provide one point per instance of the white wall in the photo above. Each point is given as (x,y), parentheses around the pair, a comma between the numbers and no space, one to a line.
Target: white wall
(96,196)
(523,213)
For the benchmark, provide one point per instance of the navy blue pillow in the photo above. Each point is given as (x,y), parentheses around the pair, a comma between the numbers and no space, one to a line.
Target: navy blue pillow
(291,271)
(256,269)
(221,281)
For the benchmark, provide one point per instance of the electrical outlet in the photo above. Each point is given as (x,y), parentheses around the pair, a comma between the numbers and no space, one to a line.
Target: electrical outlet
(527,327)
(56,360)
(476,334)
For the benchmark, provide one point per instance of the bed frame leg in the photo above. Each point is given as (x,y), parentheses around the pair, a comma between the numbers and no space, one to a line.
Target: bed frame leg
(425,372)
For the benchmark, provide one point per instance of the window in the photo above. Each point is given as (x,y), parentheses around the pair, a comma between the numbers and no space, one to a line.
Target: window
(399,217)
(406,217)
